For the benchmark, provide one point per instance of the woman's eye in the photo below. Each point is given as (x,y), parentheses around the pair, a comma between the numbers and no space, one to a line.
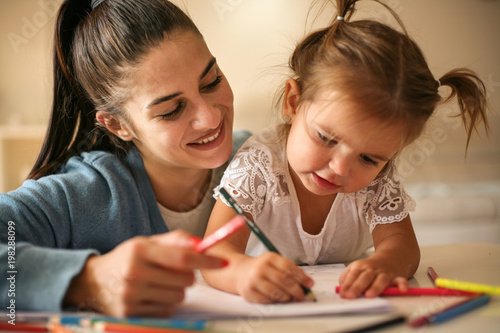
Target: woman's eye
(368,160)
(211,86)
(174,113)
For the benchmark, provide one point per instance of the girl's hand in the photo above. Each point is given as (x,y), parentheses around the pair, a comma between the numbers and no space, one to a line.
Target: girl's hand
(271,278)
(143,276)
(368,277)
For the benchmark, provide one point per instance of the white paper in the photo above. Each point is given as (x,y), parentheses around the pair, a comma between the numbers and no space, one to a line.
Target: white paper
(205,302)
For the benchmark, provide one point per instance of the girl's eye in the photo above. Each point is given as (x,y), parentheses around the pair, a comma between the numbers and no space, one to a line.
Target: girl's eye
(326,140)
(174,113)
(211,86)
(368,160)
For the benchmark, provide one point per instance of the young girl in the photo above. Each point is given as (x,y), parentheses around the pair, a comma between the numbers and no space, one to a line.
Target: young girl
(323,186)
(140,132)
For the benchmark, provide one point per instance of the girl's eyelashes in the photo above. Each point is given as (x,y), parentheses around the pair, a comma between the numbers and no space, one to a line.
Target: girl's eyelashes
(326,140)
(174,113)
(211,86)
(368,160)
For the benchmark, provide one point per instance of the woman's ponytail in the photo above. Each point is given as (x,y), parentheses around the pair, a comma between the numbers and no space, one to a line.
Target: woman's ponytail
(71,109)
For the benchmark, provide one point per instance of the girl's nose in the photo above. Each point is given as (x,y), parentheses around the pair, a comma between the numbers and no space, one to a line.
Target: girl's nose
(340,163)
(205,115)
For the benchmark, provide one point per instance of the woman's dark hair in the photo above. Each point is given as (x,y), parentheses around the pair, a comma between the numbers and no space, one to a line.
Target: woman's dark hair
(95,51)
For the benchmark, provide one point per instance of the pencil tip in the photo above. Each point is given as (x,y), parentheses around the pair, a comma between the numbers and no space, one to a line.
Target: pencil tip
(311,296)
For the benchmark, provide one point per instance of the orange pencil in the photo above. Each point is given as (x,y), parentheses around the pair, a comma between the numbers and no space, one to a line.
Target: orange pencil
(58,328)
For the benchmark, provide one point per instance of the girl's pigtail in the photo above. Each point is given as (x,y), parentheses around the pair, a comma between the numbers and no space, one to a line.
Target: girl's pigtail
(471,95)
(71,109)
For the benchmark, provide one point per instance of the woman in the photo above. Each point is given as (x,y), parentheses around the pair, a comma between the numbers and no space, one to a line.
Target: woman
(140,130)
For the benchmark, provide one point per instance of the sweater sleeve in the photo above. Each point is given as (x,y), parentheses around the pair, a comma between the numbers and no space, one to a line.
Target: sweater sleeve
(49,227)
(36,278)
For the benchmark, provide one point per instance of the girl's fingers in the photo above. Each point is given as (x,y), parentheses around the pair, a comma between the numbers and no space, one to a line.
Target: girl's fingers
(378,285)
(357,282)
(265,292)
(401,283)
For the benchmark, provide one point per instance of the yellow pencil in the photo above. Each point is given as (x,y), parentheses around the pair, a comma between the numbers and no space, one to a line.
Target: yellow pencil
(467,286)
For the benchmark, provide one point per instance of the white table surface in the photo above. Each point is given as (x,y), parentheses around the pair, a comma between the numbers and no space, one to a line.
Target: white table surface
(477,262)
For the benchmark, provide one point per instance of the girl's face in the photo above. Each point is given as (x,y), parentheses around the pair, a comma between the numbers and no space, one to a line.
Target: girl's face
(333,148)
(180,114)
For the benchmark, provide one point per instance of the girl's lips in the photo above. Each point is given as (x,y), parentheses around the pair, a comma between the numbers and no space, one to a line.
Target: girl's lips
(324,183)
(210,141)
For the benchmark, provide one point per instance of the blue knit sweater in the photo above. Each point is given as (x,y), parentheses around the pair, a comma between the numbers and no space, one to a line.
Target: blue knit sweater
(49,227)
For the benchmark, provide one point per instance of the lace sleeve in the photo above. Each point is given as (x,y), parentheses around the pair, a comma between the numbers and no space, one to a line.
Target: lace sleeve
(248,179)
(385,200)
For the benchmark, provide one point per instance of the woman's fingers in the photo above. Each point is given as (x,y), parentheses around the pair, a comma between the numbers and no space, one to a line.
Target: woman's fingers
(174,250)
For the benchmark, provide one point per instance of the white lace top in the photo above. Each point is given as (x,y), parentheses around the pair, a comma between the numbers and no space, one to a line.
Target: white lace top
(259,180)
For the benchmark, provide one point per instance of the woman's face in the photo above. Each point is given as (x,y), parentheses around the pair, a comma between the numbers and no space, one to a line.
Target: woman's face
(180,113)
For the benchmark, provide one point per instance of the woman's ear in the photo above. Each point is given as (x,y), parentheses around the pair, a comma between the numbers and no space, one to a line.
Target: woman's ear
(290,100)
(115,125)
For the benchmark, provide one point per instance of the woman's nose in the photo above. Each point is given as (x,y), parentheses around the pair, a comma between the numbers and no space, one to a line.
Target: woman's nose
(206,115)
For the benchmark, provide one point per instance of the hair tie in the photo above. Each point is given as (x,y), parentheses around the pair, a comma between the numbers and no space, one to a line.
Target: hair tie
(340,18)
(439,83)
(95,3)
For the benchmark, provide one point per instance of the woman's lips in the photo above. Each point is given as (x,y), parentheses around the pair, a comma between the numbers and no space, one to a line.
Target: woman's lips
(211,140)
(324,183)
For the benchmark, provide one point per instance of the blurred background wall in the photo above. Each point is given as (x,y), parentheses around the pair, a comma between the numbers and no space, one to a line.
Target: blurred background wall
(252,40)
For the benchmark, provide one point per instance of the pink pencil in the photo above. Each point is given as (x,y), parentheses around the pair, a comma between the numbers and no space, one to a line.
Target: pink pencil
(223,232)
(394,291)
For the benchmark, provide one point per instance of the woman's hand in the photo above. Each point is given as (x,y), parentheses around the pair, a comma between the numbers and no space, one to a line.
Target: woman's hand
(271,278)
(369,277)
(143,276)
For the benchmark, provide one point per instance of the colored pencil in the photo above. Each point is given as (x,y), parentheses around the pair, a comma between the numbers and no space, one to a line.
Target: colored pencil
(59,328)
(452,311)
(394,291)
(23,327)
(432,274)
(255,229)
(108,327)
(88,321)
(468,286)
(235,224)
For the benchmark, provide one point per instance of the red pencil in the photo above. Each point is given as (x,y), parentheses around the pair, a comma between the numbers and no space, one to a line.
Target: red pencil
(394,291)
(23,327)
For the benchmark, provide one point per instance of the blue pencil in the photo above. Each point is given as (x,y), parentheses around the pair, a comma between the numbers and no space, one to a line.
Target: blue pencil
(452,311)
(461,308)
(87,321)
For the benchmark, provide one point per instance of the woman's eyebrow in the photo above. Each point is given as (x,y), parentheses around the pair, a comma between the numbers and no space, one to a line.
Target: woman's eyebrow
(211,64)
(162,99)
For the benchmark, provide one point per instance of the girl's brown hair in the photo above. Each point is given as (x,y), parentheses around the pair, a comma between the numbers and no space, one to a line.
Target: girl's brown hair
(95,51)
(375,65)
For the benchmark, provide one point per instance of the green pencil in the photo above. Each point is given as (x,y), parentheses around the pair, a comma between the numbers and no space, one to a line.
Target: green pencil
(255,229)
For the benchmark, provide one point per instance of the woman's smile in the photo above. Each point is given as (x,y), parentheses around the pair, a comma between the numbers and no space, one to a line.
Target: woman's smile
(211,140)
